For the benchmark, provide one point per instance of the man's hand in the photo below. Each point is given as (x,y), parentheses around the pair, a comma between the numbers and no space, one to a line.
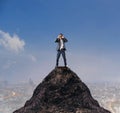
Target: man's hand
(63,37)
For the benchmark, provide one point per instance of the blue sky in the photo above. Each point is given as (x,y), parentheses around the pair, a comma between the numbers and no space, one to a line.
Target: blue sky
(28,29)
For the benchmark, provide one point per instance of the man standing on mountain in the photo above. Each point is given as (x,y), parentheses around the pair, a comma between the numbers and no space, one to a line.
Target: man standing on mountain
(61,40)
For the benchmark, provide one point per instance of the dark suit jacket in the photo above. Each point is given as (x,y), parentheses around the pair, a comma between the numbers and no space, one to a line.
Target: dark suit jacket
(58,41)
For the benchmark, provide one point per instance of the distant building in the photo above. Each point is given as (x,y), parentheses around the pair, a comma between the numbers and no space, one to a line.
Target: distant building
(30,82)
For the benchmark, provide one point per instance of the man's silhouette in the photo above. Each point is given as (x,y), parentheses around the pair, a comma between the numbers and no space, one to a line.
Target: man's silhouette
(61,40)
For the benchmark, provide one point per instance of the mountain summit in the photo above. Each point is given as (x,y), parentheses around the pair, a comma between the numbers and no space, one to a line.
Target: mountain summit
(62,91)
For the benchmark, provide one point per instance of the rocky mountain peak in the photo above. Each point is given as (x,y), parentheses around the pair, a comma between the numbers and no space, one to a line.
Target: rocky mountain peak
(62,91)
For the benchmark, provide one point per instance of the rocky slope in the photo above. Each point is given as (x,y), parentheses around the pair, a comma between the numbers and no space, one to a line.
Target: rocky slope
(62,91)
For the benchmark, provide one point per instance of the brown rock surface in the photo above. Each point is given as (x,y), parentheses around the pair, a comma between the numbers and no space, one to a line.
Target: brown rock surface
(62,91)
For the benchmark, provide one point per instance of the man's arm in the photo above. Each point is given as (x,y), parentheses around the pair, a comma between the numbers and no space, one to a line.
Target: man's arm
(65,39)
(57,40)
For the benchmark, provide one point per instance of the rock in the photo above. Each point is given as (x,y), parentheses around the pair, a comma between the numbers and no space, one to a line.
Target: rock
(62,91)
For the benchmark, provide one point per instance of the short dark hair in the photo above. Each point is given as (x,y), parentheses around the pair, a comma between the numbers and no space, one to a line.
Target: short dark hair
(61,34)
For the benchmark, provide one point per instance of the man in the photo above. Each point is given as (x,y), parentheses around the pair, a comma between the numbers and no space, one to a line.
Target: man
(61,40)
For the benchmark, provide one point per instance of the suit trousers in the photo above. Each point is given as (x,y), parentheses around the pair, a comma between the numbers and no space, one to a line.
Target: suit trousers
(63,55)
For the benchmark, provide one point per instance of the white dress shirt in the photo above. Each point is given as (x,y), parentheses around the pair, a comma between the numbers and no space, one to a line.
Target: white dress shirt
(61,44)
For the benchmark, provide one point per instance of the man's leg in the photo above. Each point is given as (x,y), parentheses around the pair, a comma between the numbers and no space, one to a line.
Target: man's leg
(58,56)
(64,57)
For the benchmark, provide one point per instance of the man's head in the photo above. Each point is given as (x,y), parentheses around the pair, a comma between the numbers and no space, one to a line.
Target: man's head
(61,35)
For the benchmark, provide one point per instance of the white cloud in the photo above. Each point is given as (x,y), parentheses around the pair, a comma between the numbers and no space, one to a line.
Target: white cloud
(12,43)
(33,58)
